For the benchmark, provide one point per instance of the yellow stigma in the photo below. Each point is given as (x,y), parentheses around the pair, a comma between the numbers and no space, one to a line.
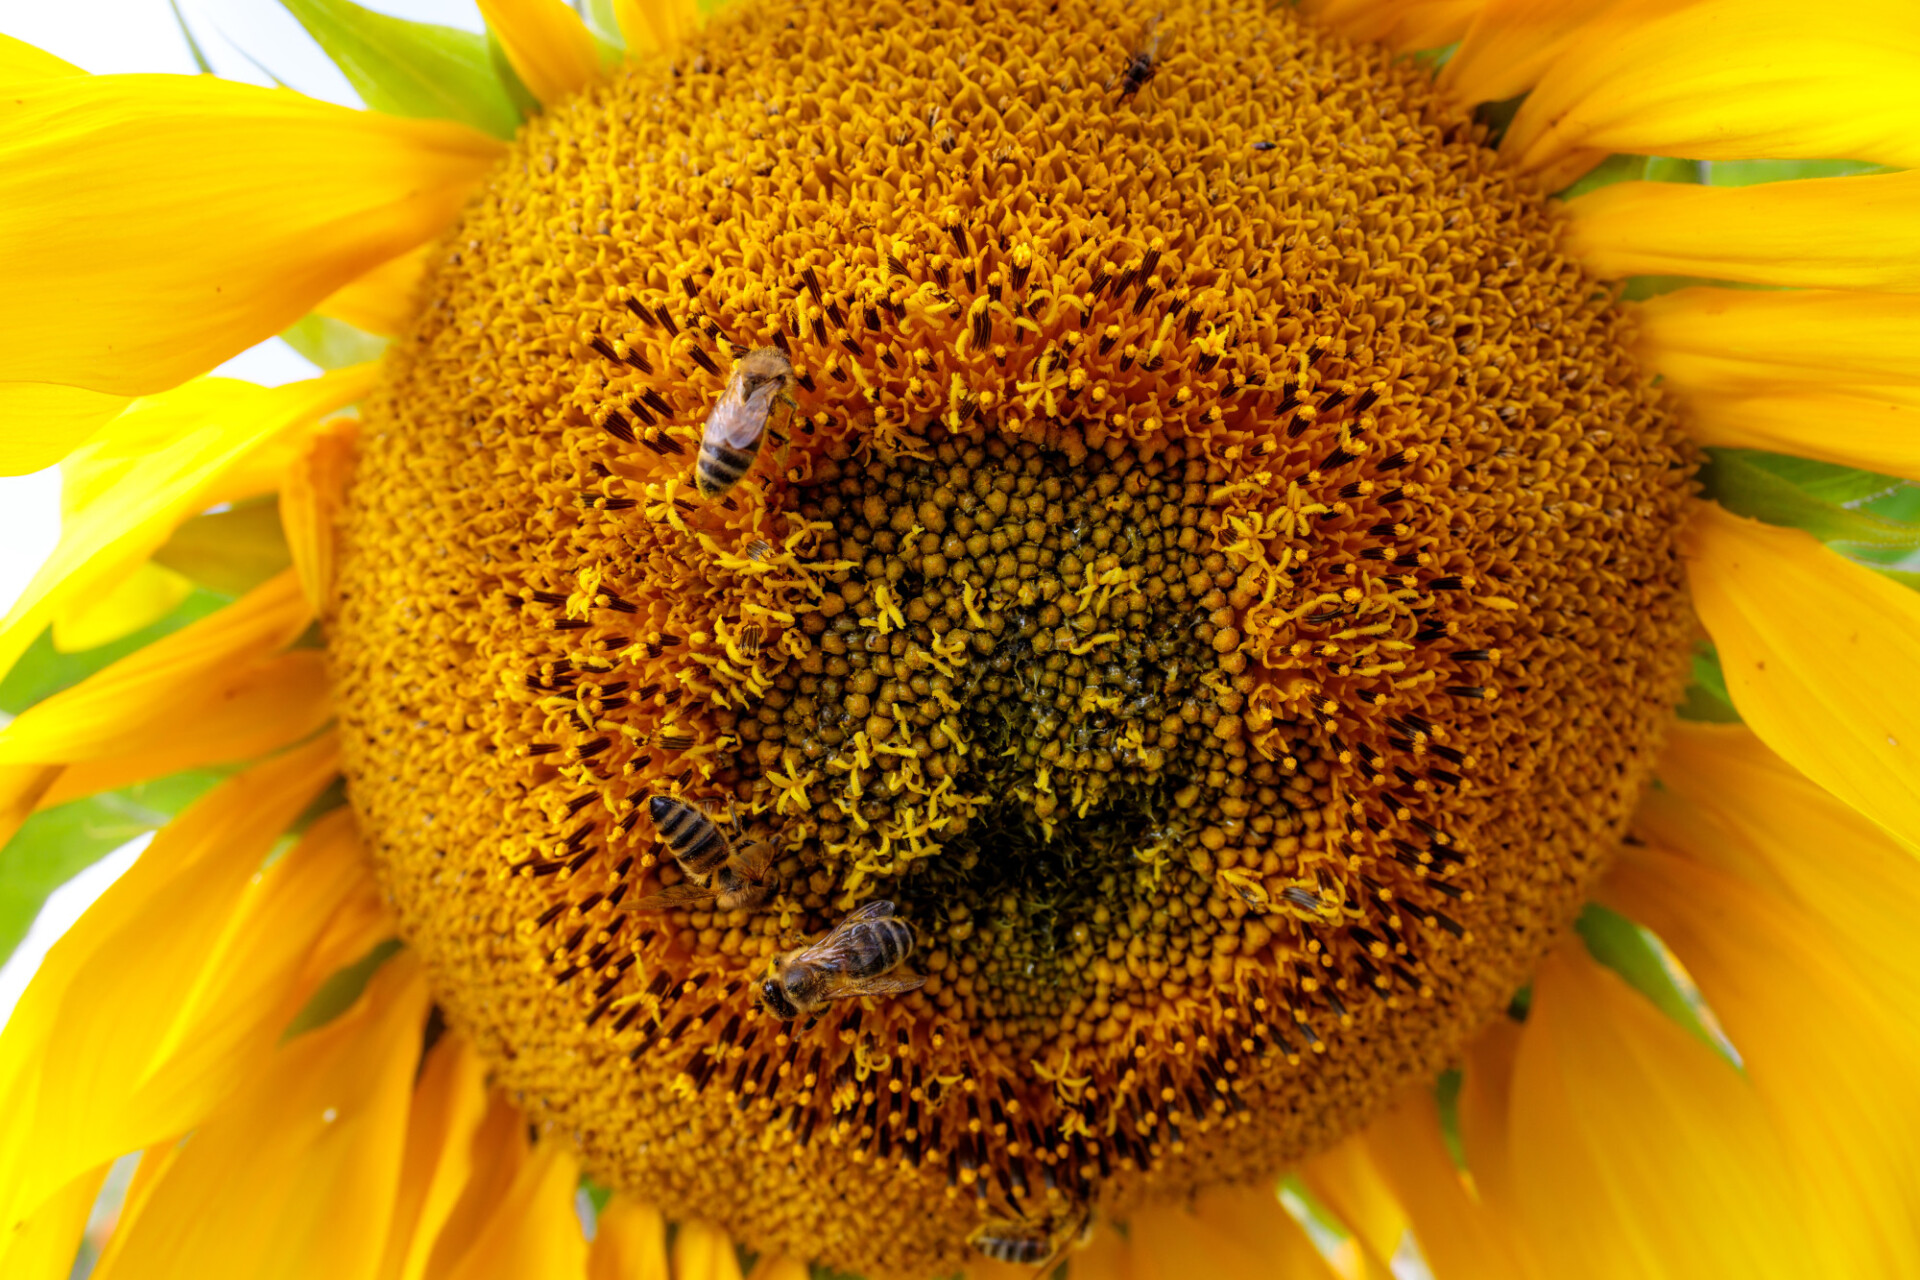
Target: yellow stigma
(1218,581)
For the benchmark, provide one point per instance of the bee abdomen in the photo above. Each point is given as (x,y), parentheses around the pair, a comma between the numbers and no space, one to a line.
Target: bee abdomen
(695,842)
(889,942)
(1014,1249)
(720,468)
(704,853)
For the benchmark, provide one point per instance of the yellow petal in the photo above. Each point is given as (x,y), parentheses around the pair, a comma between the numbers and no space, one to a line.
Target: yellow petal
(310,504)
(1486,1092)
(1818,373)
(534,1232)
(148,1172)
(1637,1150)
(1819,654)
(448,1104)
(1232,1235)
(44,422)
(1816,233)
(1103,1258)
(768,1266)
(498,1152)
(294,1176)
(1254,1221)
(1875,428)
(1510,44)
(1403,24)
(159,224)
(1832,1059)
(1781,81)
(150,469)
(140,599)
(656,26)
(273,704)
(1460,1238)
(85,1055)
(43,1247)
(380,300)
(161,687)
(1744,340)
(1727,801)
(21,61)
(631,1244)
(550,48)
(1345,1180)
(702,1251)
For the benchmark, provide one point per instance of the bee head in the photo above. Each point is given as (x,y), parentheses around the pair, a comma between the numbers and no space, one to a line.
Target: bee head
(773,998)
(658,807)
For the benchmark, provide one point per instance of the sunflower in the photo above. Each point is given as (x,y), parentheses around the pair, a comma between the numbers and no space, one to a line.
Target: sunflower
(1292,549)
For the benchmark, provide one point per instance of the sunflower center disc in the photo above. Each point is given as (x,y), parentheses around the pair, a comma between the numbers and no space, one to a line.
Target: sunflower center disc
(1218,579)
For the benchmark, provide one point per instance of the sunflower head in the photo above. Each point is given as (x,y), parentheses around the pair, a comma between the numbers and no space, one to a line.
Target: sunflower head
(1216,578)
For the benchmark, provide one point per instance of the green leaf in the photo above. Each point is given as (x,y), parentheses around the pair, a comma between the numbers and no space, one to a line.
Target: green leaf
(598,15)
(1495,117)
(337,994)
(411,68)
(43,671)
(598,1193)
(1634,168)
(1615,168)
(1714,173)
(1634,954)
(1829,481)
(516,89)
(1328,1233)
(1707,672)
(1667,169)
(193,46)
(1789,491)
(231,551)
(333,344)
(53,846)
(1707,697)
(1446,1099)
(1908,578)
(1747,173)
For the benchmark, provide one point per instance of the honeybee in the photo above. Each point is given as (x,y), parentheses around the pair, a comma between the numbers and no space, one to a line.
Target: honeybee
(734,880)
(1036,1244)
(856,958)
(1141,64)
(761,380)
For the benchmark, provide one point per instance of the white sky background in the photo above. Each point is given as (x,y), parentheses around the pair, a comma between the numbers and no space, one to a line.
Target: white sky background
(244,40)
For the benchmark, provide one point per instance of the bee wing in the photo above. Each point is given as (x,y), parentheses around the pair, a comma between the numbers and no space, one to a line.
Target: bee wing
(886,985)
(832,952)
(740,417)
(674,895)
(835,951)
(752,862)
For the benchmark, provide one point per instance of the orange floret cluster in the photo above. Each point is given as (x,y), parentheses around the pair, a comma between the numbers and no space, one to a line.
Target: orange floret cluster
(1219,580)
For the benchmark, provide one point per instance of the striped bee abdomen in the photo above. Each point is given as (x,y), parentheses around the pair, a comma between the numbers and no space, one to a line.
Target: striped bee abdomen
(1019,1249)
(882,944)
(721,467)
(696,843)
